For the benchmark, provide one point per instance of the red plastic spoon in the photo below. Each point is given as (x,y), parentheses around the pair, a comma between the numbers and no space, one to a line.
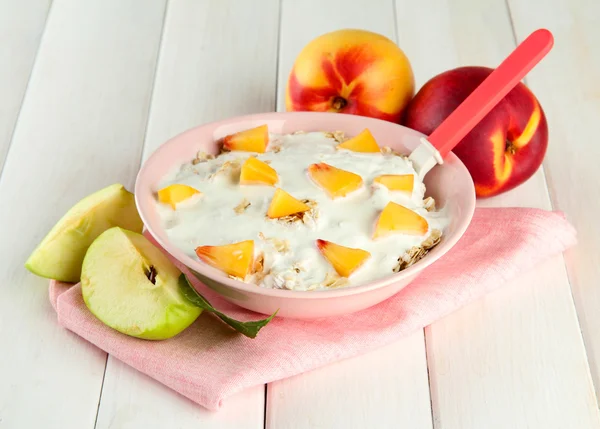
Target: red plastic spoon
(478,104)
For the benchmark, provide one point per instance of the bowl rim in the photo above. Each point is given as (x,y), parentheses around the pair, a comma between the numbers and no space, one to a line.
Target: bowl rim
(218,276)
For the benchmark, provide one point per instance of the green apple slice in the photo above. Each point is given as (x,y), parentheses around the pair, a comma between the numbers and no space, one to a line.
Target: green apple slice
(60,254)
(131,286)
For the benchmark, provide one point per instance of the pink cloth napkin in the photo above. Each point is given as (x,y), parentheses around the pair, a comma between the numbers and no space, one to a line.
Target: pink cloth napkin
(209,362)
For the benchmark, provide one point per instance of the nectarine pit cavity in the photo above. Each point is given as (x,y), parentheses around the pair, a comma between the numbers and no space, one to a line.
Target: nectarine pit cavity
(338,103)
(510,147)
(151,274)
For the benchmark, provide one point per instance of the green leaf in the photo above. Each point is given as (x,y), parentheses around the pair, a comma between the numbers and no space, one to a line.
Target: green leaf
(249,329)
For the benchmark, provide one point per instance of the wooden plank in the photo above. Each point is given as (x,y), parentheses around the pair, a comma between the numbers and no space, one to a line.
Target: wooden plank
(21,27)
(218,59)
(133,400)
(81,127)
(515,358)
(512,359)
(387,387)
(568,85)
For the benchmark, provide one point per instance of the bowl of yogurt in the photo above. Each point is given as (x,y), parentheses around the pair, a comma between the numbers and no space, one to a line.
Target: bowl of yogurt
(312,214)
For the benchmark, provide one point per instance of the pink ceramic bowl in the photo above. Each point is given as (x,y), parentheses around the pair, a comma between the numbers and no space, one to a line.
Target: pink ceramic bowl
(450,184)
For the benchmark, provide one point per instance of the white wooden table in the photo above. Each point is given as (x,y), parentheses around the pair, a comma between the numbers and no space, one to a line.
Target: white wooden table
(88,88)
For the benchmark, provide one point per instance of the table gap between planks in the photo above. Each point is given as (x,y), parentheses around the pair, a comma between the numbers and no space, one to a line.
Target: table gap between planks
(101,84)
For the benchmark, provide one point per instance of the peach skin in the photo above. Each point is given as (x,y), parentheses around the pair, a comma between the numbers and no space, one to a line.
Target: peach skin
(351,71)
(506,148)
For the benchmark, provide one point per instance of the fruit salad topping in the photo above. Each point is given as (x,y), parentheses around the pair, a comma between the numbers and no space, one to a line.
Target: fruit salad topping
(302,211)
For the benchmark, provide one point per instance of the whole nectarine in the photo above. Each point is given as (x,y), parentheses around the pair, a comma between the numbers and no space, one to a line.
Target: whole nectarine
(506,148)
(351,71)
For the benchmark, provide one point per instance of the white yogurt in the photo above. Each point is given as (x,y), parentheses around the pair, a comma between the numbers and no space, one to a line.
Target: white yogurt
(210,219)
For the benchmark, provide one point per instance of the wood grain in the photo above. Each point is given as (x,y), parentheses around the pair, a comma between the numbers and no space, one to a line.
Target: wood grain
(569,92)
(515,358)
(133,400)
(21,26)
(386,388)
(81,128)
(96,102)
(217,59)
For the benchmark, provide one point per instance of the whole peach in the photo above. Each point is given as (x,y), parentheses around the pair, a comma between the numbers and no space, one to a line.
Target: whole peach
(506,148)
(351,71)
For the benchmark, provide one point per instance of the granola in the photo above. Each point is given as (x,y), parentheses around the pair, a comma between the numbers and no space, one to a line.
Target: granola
(308,217)
(202,156)
(230,168)
(429,204)
(386,150)
(333,280)
(242,206)
(287,248)
(259,264)
(416,253)
(338,136)
(282,246)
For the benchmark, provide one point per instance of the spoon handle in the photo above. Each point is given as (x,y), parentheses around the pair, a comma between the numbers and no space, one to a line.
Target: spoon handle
(491,91)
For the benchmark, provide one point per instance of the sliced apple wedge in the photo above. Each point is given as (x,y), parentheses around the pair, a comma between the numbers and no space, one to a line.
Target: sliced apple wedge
(336,182)
(283,204)
(175,194)
(363,142)
(397,219)
(345,260)
(131,286)
(252,140)
(60,254)
(256,172)
(397,182)
(234,259)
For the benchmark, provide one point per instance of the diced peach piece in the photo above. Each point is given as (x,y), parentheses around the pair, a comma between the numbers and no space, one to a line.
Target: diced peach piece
(254,171)
(252,140)
(363,142)
(397,182)
(345,260)
(336,182)
(397,219)
(283,204)
(234,259)
(177,193)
